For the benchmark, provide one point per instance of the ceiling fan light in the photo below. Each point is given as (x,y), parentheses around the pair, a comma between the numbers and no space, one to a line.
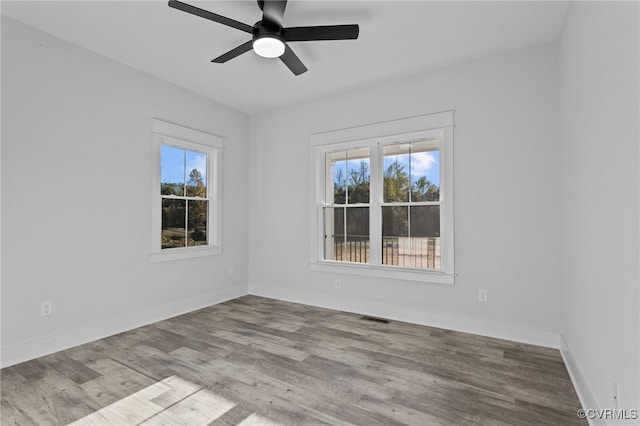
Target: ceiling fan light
(268,47)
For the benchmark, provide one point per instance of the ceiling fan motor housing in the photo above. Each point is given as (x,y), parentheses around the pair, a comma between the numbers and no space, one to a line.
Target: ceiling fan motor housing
(260,30)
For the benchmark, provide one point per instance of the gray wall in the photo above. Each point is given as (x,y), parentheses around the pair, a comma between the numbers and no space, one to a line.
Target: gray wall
(600,197)
(76,175)
(546,178)
(507,196)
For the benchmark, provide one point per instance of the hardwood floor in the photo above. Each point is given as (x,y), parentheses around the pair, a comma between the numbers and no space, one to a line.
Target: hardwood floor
(258,361)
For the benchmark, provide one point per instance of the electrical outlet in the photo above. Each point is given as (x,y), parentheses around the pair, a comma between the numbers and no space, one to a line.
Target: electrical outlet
(46,308)
(338,284)
(231,271)
(482,294)
(616,395)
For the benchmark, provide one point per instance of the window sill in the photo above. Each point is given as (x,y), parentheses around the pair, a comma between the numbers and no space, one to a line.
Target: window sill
(385,272)
(184,253)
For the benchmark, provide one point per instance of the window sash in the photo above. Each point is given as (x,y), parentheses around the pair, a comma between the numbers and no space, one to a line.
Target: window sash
(331,243)
(412,203)
(184,197)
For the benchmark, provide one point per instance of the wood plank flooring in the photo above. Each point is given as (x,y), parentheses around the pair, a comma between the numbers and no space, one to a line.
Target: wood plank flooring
(258,361)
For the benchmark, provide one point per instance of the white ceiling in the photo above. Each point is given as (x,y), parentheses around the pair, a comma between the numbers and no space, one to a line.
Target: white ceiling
(397,38)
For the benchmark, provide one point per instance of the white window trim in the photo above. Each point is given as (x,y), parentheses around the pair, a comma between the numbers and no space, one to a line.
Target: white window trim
(409,129)
(165,133)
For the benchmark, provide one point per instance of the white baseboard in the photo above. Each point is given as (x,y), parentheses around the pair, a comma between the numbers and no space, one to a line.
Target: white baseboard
(579,380)
(30,349)
(484,327)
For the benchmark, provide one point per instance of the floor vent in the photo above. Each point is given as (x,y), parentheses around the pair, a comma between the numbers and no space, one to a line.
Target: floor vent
(373,319)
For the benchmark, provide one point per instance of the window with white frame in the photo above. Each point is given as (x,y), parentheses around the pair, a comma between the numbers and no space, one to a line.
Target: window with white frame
(385,203)
(186,213)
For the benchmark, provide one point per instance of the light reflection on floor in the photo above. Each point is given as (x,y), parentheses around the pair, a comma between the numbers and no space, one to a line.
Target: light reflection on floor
(172,401)
(255,420)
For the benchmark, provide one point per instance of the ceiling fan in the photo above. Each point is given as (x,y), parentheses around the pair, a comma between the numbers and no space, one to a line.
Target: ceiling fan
(269,37)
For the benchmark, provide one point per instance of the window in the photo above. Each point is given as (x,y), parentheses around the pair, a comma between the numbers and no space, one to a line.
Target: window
(384,204)
(186,213)
(185,201)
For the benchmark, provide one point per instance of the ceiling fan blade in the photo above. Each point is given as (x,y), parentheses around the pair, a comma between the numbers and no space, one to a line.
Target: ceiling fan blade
(243,48)
(210,16)
(323,32)
(272,12)
(292,61)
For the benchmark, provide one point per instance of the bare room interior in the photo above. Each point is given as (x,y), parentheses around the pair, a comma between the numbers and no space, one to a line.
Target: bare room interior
(320,212)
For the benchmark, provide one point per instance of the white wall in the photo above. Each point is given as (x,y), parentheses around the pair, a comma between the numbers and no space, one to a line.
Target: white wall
(600,193)
(507,197)
(76,176)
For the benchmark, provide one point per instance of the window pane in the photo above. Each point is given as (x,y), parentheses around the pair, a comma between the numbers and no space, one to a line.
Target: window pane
(336,181)
(359,177)
(196,174)
(172,170)
(425,171)
(173,215)
(425,237)
(334,233)
(348,176)
(197,222)
(356,244)
(348,243)
(396,173)
(395,235)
